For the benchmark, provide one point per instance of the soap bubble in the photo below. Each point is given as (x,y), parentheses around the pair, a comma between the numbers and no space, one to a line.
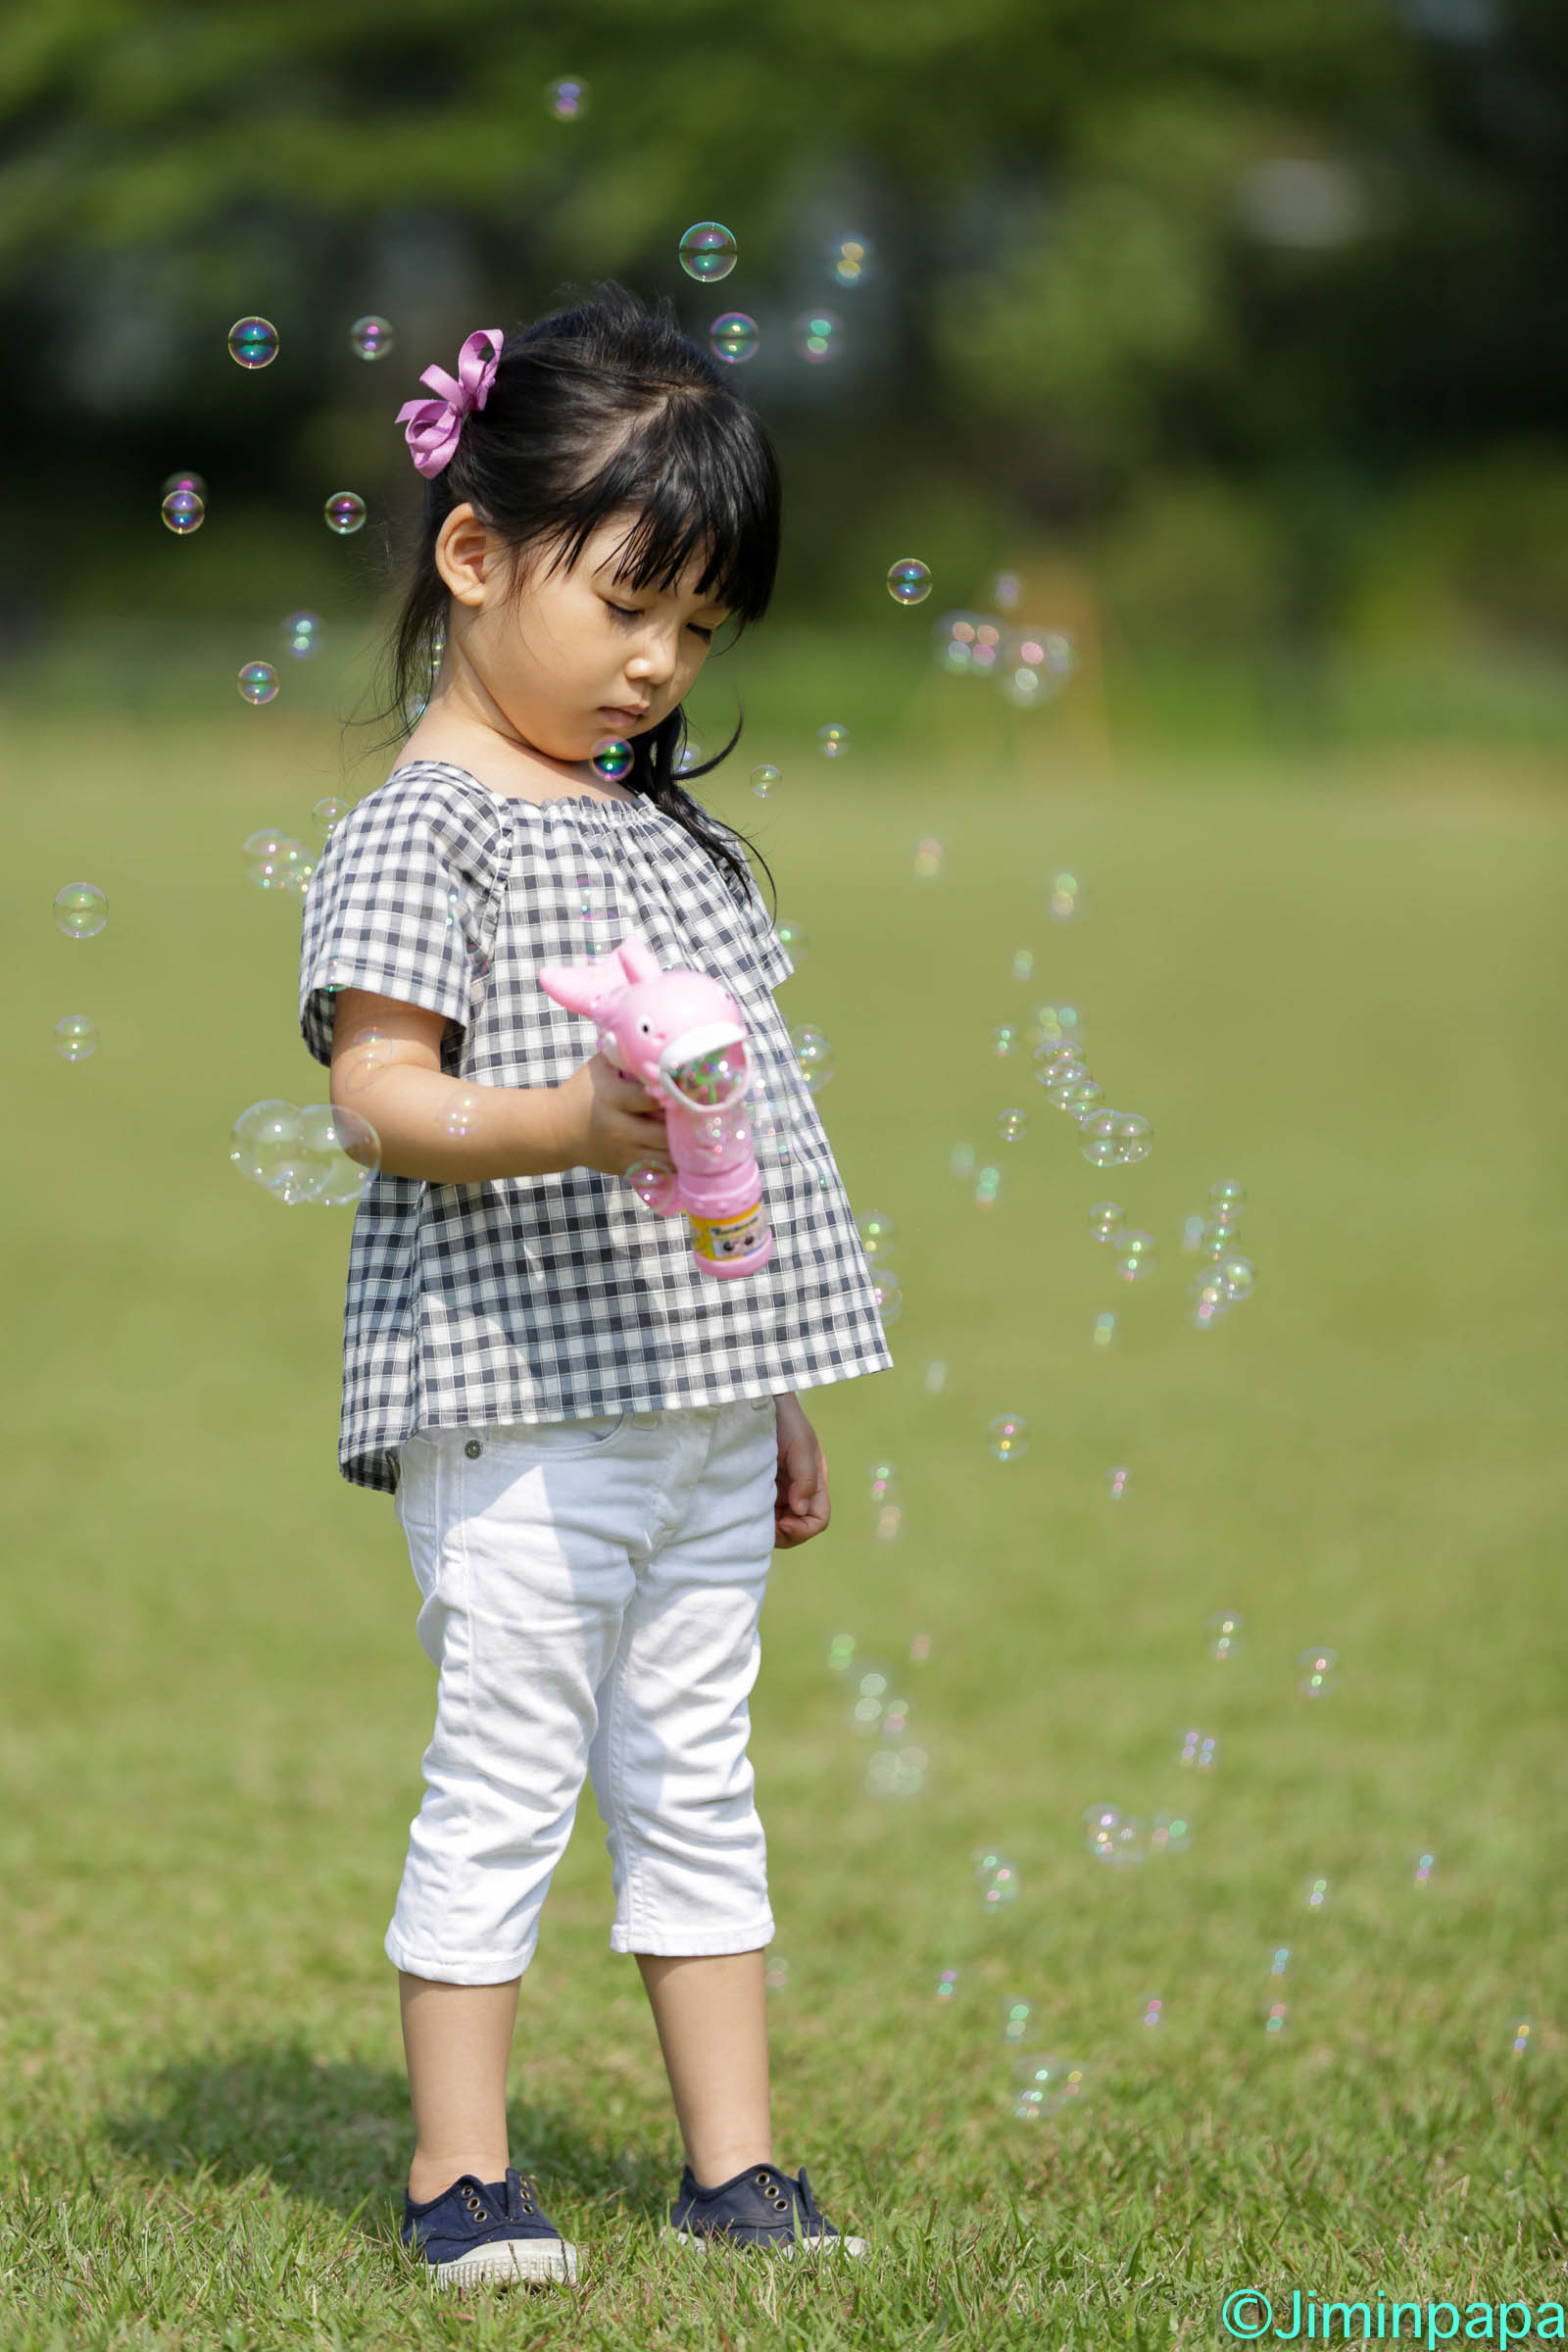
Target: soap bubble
(1315,1891)
(1115,1838)
(344,511)
(1023,963)
(268,1149)
(1057,1022)
(1211,1300)
(1065,897)
(302,634)
(1105,1331)
(877,1234)
(691,753)
(1117,1481)
(81,910)
(775,1973)
(75,1037)
(371,338)
(612,757)
(1228,1197)
(1171,1833)
(258,682)
(961,1161)
(323,1153)
(1082,1096)
(272,860)
(995,1878)
(1199,1750)
(329,813)
(1238,1277)
(707,251)
(1315,1676)
(185,480)
(184,511)
(1104,1220)
(819,336)
(1003,1038)
(908,580)
(1011,1125)
(1005,594)
(733,338)
(936,1377)
(252,342)
(1225,1636)
(1043,2085)
(1135,1254)
(568,98)
(770,1113)
(833,740)
(871,1689)
(763,779)
(848,259)
(794,939)
(1097,1139)
(928,856)
(1135,1138)
(648,1181)
(342,1151)
(1007,1437)
(897,1771)
(814,1055)
(840,1650)
(888,1292)
(1058,1064)
(967,644)
(987,1184)
(464,1115)
(1193,1229)
(1015,2016)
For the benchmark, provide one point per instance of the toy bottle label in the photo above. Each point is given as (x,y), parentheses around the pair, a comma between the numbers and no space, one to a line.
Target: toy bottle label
(718,1239)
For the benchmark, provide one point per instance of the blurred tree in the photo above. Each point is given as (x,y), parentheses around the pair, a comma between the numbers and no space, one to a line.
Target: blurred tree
(1275,243)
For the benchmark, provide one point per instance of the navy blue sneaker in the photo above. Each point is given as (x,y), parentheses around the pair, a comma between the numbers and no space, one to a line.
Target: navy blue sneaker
(759,2207)
(476,2233)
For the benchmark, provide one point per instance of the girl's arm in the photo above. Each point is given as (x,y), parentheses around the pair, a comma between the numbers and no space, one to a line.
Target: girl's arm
(386,1065)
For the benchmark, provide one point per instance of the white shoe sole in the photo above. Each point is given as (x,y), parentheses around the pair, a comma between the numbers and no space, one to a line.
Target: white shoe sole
(704,2240)
(510,2262)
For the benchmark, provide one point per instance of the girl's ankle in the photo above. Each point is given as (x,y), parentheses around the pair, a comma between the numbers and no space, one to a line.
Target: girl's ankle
(432,2178)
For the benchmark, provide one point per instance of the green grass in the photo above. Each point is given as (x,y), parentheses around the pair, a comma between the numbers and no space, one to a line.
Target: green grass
(1334,982)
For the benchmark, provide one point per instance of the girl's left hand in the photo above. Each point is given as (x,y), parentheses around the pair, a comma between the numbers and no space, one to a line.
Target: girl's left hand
(801,1507)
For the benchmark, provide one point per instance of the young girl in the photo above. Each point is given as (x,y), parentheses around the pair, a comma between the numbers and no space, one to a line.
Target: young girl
(594,1448)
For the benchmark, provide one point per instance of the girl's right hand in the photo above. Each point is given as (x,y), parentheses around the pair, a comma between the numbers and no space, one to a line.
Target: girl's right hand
(608,1122)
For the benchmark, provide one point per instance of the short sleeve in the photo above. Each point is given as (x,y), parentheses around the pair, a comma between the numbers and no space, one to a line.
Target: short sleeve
(771,958)
(403,901)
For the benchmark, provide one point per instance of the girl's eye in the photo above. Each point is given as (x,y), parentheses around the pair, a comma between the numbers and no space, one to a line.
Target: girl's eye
(631,613)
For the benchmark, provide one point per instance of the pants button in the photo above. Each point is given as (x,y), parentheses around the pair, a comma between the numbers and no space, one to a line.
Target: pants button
(473,1449)
(645,1420)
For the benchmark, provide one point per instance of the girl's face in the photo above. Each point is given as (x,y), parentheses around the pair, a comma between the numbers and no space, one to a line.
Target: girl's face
(560,663)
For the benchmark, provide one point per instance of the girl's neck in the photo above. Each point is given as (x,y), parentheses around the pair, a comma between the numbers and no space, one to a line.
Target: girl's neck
(515,769)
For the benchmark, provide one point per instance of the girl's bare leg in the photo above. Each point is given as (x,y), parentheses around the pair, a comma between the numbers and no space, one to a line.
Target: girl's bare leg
(456,2039)
(712,2016)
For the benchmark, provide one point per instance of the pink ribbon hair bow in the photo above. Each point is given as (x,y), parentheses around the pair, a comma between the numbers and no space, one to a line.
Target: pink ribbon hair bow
(431,426)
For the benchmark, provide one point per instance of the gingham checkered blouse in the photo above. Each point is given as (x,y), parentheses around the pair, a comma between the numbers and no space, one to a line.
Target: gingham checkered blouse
(551,1298)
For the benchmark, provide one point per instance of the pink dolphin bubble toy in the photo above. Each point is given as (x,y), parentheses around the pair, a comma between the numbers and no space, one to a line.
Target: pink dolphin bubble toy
(683,1036)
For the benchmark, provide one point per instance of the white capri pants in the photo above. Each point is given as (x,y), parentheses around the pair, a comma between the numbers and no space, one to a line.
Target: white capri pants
(589,1593)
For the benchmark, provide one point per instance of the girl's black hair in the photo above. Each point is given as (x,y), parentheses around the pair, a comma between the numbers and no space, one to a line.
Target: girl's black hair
(596,408)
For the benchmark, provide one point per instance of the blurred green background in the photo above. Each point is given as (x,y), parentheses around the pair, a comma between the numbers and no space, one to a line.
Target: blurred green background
(1237,333)
(1253,321)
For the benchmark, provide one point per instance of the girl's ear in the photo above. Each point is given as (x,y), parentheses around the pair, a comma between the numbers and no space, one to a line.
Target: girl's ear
(465,557)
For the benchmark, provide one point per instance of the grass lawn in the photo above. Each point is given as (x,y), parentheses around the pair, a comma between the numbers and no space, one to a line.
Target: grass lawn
(1334,978)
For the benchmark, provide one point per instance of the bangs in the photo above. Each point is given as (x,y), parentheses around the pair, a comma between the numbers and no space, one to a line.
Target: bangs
(696,487)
